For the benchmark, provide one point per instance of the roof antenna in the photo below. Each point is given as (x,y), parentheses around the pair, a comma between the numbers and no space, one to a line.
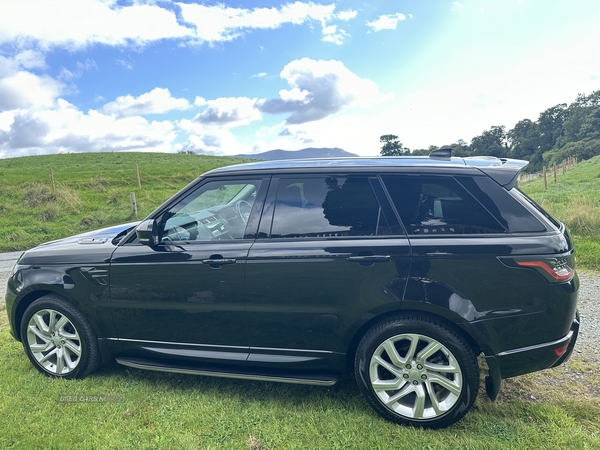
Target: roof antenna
(441,153)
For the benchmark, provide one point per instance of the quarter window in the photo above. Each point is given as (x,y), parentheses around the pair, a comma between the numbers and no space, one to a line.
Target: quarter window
(438,205)
(334,206)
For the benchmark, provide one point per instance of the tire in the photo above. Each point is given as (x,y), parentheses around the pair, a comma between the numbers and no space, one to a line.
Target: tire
(58,340)
(416,370)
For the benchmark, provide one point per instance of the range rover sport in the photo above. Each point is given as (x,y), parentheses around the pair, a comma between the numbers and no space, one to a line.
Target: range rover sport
(400,271)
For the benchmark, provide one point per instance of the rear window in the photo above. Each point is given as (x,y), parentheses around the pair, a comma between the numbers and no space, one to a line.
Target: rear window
(438,206)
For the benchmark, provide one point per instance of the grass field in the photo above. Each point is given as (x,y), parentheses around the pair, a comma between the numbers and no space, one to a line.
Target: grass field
(91,191)
(575,200)
(554,409)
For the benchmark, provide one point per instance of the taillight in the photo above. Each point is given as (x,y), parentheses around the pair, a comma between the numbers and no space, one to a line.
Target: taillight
(558,269)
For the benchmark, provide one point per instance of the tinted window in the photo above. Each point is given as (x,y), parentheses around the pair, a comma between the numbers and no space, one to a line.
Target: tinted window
(509,212)
(438,205)
(327,207)
(218,210)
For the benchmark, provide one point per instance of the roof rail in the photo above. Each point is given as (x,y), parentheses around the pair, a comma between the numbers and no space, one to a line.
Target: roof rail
(441,153)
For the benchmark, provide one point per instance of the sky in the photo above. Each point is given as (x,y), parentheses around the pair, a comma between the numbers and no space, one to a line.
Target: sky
(231,77)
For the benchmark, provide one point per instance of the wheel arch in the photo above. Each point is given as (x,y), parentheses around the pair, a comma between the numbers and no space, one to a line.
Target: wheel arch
(34,295)
(24,303)
(370,323)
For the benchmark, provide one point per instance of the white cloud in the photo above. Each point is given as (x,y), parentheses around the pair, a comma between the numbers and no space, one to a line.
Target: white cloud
(157,101)
(457,5)
(23,89)
(77,72)
(124,63)
(30,59)
(209,139)
(346,15)
(260,75)
(386,22)
(228,112)
(319,89)
(78,23)
(67,129)
(334,36)
(221,23)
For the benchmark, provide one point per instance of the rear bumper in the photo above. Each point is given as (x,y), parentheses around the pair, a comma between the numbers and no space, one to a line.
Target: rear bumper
(538,357)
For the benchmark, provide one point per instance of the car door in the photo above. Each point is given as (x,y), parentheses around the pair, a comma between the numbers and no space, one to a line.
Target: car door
(459,238)
(184,296)
(329,255)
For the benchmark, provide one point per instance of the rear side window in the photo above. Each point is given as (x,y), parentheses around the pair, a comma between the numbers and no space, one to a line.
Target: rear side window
(438,206)
(524,198)
(508,210)
(333,206)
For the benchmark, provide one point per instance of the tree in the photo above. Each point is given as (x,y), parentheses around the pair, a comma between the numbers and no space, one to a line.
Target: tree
(392,145)
(524,139)
(492,142)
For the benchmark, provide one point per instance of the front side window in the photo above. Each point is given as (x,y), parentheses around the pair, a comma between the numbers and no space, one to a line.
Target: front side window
(334,206)
(218,210)
(438,205)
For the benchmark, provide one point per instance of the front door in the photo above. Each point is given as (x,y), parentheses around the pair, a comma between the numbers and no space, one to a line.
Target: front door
(189,289)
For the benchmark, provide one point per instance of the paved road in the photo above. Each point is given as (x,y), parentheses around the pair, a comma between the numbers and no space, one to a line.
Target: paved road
(7,261)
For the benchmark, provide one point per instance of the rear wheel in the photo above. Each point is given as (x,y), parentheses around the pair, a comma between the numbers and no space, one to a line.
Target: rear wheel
(418,371)
(58,339)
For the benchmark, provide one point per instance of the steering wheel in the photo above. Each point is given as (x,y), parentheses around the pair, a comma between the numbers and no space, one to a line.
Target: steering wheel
(243,209)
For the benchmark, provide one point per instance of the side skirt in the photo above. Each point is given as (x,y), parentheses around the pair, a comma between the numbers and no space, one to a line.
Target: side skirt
(281,377)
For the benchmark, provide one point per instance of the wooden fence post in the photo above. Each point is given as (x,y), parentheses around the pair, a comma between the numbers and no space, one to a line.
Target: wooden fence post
(554,170)
(545,179)
(137,172)
(52,179)
(133,204)
(564,169)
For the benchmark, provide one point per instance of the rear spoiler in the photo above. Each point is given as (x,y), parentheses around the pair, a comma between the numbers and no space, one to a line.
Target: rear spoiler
(503,171)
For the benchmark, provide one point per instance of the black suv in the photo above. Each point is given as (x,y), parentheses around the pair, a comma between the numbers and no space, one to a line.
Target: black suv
(400,270)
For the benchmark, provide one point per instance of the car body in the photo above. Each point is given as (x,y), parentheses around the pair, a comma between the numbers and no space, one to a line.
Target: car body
(400,270)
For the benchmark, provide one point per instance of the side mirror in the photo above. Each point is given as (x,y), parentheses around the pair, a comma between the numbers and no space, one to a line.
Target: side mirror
(147,232)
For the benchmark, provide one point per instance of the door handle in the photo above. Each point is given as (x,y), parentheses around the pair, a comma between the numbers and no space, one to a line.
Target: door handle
(218,261)
(369,258)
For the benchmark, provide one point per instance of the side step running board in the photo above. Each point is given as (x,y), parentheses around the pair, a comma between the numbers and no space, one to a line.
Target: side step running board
(316,380)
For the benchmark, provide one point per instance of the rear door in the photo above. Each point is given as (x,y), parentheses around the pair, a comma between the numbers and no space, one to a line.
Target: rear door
(330,253)
(459,236)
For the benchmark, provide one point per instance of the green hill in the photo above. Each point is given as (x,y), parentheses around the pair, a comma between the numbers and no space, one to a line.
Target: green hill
(91,191)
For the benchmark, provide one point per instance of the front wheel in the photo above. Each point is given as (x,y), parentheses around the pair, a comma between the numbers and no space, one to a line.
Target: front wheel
(58,339)
(417,371)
